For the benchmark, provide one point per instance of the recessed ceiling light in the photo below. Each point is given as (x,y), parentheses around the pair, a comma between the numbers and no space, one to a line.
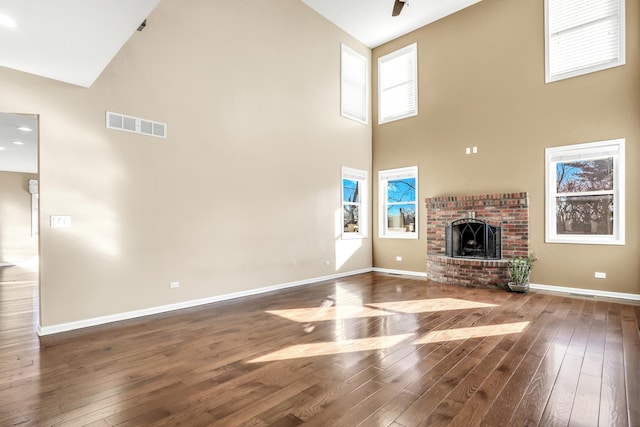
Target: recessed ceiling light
(25,129)
(7,21)
(18,142)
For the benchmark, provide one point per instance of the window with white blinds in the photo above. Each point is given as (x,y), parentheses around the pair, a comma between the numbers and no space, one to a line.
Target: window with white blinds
(354,83)
(398,84)
(583,36)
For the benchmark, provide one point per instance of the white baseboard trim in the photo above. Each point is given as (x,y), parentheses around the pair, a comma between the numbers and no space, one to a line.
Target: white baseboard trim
(586,292)
(70,326)
(401,272)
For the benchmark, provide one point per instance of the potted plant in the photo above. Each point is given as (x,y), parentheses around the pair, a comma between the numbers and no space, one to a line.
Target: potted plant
(519,269)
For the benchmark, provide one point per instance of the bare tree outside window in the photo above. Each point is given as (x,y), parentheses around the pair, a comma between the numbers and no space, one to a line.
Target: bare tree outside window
(401,205)
(354,203)
(584,197)
(398,191)
(585,193)
(351,205)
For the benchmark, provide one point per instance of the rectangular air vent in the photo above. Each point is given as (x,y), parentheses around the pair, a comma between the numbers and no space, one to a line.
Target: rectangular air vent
(159,129)
(136,125)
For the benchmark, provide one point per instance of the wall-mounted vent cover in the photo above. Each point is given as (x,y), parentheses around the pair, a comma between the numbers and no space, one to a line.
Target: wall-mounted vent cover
(136,125)
(148,127)
(160,129)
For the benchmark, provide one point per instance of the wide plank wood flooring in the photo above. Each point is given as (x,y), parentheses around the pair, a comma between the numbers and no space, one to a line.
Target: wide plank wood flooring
(368,350)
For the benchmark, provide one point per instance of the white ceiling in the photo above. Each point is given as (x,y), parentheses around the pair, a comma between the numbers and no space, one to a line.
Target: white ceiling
(370,21)
(67,40)
(74,40)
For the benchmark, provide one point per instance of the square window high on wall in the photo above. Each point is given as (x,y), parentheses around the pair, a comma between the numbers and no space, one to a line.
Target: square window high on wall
(398,84)
(585,193)
(583,36)
(398,190)
(354,85)
(354,203)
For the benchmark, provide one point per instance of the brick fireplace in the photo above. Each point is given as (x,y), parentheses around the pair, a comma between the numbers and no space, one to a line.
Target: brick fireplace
(509,211)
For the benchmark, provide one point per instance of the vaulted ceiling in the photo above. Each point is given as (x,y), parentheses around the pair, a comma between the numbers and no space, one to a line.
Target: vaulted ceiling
(370,21)
(67,40)
(73,41)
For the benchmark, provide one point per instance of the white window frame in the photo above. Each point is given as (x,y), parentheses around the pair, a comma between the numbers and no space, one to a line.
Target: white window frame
(581,26)
(407,57)
(384,176)
(362,177)
(588,151)
(354,85)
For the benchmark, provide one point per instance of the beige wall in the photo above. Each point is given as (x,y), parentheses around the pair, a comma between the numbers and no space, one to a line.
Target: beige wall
(482,84)
(244,193)
(16,243)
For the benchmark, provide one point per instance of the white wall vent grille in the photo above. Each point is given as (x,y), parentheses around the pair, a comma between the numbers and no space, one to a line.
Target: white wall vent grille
(135,125)
(146,127)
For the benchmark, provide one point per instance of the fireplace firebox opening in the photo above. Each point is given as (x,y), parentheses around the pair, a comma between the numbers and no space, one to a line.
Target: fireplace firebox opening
(473,238)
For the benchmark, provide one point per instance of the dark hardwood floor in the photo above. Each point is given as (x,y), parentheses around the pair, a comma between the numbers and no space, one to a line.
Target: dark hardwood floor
(368,350)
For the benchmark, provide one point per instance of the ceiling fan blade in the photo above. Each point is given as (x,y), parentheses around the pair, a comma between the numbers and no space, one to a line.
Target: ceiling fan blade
(397,7)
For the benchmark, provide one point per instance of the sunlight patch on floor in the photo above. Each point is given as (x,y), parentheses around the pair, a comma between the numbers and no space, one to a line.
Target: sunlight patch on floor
(378,343)
(333,347)
(472,332)
(429,305)
(330,310)
(322,314)
(353,311)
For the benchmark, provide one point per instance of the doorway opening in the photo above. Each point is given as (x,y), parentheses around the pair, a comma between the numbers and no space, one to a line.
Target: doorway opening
(19,215)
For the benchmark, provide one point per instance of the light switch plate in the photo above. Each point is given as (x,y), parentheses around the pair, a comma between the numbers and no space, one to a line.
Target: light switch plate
(60,221)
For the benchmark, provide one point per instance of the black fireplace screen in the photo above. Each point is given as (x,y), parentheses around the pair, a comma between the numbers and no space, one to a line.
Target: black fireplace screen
(473,238)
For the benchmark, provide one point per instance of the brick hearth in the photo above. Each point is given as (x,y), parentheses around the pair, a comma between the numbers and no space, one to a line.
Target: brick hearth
(510,211)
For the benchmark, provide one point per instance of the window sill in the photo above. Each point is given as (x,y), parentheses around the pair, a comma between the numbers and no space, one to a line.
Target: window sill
(585,241)
(413,236)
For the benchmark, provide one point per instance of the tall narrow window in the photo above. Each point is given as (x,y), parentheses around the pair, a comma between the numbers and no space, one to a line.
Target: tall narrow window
(583,36)
(354,203)
(354,83)
(585,193)
(398,84)
(398,190)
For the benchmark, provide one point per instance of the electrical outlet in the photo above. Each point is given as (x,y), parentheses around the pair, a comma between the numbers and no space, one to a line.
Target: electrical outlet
(327,263)
(475,150)
(600,275)
(174,285)
(467,150)
(398,258)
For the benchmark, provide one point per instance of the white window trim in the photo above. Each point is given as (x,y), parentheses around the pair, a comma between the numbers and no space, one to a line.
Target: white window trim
(582,151)
(383,177)
(344,111)
(621,60)
(363,177)
(413,50)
